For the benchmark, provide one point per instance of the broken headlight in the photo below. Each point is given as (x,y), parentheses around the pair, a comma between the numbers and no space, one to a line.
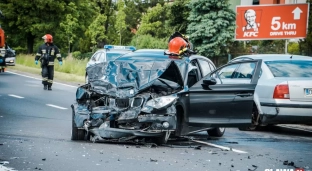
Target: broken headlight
(161,102)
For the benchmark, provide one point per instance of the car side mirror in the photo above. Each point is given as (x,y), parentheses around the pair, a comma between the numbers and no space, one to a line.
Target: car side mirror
(210,81)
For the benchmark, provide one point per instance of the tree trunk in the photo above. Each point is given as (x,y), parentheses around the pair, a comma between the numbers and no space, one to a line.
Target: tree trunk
(30,43)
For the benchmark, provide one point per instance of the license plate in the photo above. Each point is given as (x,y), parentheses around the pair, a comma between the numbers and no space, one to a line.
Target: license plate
(308,91)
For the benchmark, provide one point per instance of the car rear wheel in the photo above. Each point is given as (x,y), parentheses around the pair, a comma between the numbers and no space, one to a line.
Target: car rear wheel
(76,134)
(216,132)
(254,121)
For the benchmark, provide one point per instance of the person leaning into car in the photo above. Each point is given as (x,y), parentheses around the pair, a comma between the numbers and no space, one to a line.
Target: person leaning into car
(47,54)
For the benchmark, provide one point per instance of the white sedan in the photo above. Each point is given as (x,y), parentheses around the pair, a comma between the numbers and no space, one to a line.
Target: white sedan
(284,91)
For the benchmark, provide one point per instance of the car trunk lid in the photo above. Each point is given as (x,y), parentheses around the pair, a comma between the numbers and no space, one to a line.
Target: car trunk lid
(300,90)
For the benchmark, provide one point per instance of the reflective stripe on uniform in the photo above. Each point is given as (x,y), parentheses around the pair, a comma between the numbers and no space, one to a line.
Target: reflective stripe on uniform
(44,78)
(58,55)
(181,51)
(51,63)
(50,81)
(38,54)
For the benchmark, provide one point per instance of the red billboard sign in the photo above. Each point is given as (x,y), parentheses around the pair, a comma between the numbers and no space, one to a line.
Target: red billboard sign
(264,22)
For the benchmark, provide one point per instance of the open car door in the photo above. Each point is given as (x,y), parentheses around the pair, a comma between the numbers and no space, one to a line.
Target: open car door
(224,97)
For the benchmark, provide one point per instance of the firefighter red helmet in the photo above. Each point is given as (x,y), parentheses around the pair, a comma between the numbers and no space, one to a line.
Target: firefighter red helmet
(177,46)
(48,38)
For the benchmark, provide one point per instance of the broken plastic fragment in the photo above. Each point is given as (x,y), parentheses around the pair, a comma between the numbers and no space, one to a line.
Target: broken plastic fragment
(153,160)
(198,148)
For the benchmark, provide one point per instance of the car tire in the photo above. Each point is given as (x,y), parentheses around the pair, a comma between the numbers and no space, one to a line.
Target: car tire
(162,139)
(253,126)
(216,132)
(76,134)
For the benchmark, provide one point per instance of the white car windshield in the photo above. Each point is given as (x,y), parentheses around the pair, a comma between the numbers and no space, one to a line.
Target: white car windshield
(290,68)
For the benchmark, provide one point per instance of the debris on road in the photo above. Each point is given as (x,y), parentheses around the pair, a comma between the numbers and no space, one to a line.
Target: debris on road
(232,142)
(153,160)
(255,168)
(198,147)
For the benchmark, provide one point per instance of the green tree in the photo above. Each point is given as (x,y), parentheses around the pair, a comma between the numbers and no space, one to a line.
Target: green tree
(272,46)
(96,30)
(305,45)
(211,26)
(33,18)
(70,24)
(293,48)
(120,18)
(149,42)
(154,22)
(107,9)
(179,13)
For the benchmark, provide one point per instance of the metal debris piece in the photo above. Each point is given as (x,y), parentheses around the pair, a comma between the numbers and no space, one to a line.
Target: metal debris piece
(153,160)
(285,162)
(44,159)
(255,168)
(198,147)
(291,164)
(151,145)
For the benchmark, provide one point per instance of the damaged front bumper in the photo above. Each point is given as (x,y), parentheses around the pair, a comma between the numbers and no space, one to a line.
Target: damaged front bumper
(107,123)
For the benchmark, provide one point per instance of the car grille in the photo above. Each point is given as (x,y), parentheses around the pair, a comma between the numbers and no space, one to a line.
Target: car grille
(123,103)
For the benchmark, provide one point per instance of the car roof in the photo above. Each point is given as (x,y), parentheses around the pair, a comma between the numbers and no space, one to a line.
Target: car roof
(121,51)
(154,54)
(272,57)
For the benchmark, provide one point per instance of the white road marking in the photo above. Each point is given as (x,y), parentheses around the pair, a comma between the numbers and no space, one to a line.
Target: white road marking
(12,95)
(59,107)
(294,127)
(219,146)
(3,168)
(40,79)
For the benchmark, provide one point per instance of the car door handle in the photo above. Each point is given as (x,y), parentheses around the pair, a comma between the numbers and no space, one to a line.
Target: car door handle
(244,94)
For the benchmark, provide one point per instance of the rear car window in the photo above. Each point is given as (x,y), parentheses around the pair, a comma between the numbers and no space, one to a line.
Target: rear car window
(290,68)
(112,56)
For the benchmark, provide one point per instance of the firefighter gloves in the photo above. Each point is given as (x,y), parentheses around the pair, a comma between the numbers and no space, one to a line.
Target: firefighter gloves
(36,62)
(61,63)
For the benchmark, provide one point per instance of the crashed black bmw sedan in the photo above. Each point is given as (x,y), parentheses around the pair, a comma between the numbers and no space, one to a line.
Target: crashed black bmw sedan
(147,94)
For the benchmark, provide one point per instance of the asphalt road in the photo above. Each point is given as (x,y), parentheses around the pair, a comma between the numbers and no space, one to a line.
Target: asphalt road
(35,135)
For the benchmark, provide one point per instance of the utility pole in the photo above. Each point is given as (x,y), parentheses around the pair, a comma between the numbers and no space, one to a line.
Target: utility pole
(286,46)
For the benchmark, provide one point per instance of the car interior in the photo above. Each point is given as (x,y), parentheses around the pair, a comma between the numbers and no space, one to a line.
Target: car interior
(192,76)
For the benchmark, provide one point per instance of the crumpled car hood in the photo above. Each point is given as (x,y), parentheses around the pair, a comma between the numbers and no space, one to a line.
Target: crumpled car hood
(126,78)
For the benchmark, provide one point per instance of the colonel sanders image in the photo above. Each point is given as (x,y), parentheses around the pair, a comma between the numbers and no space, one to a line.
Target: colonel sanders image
(250,17)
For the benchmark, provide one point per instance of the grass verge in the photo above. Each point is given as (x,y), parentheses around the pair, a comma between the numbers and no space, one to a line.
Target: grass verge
(72,70)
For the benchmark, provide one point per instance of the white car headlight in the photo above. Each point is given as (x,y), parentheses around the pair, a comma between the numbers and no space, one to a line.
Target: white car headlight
(161,102)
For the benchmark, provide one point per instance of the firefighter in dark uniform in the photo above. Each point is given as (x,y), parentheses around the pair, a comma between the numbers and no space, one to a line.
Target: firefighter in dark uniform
(46,55)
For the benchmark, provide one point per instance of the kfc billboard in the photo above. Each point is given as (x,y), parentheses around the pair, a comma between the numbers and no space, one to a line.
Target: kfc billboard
(264,22)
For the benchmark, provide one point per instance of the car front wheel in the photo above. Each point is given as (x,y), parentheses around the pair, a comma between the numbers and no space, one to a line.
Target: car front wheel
(216,132)
(76,134)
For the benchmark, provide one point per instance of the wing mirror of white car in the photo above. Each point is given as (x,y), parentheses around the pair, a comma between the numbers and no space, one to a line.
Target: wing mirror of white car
(209,81)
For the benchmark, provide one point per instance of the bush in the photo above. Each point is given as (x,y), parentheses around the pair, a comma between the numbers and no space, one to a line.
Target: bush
(20,50)
(76,54)
(81,56)
(148,42)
